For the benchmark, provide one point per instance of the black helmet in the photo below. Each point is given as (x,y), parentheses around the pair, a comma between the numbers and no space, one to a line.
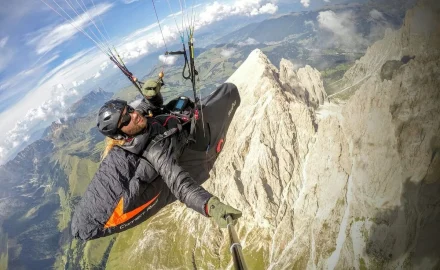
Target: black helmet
(108,118)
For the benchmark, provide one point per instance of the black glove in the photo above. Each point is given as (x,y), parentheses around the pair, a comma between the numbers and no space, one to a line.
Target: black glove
(218,211)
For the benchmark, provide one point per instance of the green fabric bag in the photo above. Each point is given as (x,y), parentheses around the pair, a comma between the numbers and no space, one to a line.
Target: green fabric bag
(151,88)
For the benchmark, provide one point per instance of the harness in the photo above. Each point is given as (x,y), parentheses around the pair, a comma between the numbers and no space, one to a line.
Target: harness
(175,126)
(185,112)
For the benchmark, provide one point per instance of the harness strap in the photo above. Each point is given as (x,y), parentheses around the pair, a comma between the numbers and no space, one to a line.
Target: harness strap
(192,130)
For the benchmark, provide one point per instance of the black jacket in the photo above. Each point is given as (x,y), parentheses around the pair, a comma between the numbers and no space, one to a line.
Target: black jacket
(132,185)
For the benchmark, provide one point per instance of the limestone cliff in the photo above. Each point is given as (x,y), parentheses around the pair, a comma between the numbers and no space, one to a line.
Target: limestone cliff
(321,185)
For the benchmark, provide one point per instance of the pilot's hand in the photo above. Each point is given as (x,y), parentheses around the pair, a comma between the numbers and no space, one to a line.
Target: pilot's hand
(218,211)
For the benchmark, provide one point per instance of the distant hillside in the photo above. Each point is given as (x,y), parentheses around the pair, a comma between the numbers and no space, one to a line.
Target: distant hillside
(90,102)
(299,23)
(272,30)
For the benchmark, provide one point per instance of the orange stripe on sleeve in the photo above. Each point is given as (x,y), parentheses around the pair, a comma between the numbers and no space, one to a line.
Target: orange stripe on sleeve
(118,216)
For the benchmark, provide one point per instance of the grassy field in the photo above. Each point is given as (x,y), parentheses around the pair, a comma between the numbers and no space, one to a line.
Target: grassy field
(333,76)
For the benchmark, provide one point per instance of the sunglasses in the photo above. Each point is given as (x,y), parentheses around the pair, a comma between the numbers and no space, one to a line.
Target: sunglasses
(126,118)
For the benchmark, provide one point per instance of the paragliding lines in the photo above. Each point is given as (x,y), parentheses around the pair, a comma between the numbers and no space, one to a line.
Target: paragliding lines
(102,42)
(79,16)
(93,22)
(160,27)
(71,22)
(103,26)
(177,26)
(161,32)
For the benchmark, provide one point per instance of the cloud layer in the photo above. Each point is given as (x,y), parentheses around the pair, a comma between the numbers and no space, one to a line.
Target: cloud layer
(168,60)
(228,52)
(55,107)
(217,11)
(247,42)
(305,3)
(3,42)
(6,53)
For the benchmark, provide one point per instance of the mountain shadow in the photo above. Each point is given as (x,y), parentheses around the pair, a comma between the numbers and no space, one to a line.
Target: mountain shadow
(409,235)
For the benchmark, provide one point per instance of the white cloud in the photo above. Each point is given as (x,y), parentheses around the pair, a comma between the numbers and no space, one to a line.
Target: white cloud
(342,26)
(376,15)
(97,75)
(327,1)
(228,52)
(378,25)
(142,45)
(6,58)
(13,84)
(247,42)
(216,11)
(77,68)
(305,3)
(50,37)
(78,83)
(180,12)
(6,53)
(310,24)
(104,65)
(129,1)
(3,42)
(177,13)
(168,60)
(269,8)
(254,7)
(53,108)
(141,32)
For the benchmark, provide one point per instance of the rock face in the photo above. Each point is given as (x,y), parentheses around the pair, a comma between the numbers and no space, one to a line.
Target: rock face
(306,84)
(322,186)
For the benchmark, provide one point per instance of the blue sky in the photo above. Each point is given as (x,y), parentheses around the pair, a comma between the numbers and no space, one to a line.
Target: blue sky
(44,59)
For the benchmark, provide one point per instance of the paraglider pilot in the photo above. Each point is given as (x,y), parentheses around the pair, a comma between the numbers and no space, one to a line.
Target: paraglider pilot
(139,174)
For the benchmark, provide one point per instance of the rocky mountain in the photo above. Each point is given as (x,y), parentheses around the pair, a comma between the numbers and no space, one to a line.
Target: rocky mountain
(320,184)
(90,102)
